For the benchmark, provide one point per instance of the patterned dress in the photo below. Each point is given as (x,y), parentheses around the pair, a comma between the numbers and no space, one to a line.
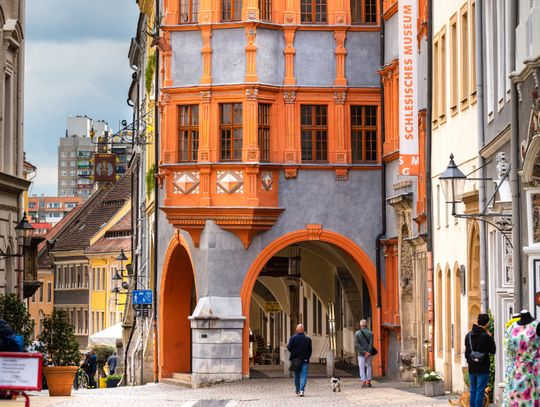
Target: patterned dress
(522,386)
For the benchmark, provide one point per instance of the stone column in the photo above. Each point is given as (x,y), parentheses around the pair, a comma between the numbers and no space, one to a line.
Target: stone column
(216,331)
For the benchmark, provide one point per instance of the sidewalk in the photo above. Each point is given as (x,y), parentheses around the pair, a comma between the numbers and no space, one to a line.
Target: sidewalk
(249,393)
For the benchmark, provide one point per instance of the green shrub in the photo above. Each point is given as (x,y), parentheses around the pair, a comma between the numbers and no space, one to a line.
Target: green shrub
(149,74)
(150,180)
(116,376)
(58,340)
(15,313)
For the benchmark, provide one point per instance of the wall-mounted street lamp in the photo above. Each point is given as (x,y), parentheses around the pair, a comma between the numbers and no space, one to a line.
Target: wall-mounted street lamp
(453,183)
(23,230)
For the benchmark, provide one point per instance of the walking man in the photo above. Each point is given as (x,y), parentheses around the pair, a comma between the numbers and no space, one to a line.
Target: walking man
(364,345)
(479,344)
(300,347)
(112,363)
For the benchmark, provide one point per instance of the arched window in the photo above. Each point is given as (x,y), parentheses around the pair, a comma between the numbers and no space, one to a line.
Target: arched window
(457,312)
(438,312)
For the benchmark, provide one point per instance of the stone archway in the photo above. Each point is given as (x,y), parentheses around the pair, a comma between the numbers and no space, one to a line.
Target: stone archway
(312,232)
(448,328)
(176,292)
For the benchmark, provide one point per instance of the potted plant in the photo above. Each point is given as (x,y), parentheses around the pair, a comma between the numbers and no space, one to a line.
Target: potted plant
(59,343)
(15,313)
(113,379)
(433,384)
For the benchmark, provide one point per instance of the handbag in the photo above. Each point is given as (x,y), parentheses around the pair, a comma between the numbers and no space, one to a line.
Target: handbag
(296,363)
(374,350)
(477,357)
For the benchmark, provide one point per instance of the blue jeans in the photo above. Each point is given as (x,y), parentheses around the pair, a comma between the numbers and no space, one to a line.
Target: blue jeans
(300,377)
(477,385)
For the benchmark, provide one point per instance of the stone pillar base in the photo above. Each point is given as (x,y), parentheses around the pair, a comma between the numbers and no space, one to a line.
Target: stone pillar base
(216,334)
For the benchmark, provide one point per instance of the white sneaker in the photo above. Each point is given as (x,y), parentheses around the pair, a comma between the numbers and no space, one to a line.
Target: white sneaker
(301,393)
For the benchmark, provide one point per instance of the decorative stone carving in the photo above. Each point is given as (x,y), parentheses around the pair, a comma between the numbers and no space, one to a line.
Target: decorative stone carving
(230,182)
(206,96)
(186,182)
(289,96)
(267,180)
(252,93)
(340,97)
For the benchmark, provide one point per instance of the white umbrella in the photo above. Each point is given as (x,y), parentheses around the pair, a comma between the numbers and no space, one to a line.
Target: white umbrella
(106,337)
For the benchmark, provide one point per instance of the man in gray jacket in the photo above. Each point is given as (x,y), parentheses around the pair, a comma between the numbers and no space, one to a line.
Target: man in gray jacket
(364,345)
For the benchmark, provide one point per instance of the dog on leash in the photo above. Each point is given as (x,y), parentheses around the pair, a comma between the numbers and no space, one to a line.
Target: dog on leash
(336,384)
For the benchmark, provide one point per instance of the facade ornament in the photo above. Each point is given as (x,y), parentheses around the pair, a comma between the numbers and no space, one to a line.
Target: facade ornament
(289,96)
(206,96)
(340,97)
(252,93)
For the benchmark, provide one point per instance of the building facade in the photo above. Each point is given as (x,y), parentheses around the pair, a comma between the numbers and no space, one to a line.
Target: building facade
(12,178)
(270,145)
(50,209)
(72,266)
(456,240)
(75,153)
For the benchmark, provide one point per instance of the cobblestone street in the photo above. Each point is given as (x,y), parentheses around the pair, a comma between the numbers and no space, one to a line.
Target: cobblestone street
(252,393)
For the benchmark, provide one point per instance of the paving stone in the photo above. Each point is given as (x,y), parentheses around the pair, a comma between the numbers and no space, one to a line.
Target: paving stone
(247,393)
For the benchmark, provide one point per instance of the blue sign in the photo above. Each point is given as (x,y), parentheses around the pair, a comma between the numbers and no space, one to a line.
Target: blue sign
(142,297)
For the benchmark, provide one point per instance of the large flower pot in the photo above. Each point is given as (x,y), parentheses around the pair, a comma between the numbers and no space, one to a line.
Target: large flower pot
(60,379)
(432,389)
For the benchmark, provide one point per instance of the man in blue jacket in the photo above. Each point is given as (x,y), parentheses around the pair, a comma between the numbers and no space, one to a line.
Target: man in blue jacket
(300,348)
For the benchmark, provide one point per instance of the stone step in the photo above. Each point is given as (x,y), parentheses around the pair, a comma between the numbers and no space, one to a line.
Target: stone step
(179,379)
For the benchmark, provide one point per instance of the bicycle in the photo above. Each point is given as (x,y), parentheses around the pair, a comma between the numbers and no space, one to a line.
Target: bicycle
(82,381)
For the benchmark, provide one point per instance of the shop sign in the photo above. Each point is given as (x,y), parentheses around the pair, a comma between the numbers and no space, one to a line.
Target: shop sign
(104,167)
(272,306)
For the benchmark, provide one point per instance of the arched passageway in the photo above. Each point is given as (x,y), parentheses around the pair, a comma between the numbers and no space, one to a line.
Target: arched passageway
(178,299)
(324,281)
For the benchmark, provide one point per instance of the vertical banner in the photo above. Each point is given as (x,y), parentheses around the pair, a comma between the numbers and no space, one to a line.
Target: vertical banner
(409,161)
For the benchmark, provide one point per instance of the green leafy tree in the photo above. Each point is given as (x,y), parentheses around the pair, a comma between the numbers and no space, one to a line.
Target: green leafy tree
(102,355)
(15,313)
(58,340)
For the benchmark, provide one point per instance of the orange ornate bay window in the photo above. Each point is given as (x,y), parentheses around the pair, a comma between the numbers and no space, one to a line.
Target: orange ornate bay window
(390,80)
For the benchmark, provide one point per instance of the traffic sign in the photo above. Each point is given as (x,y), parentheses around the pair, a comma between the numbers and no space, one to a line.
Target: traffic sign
(142,297)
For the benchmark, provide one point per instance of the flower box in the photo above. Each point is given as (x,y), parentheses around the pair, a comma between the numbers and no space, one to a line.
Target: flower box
(434,388)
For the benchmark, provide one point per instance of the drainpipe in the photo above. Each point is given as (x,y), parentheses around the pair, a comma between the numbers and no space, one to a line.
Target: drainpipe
(481,184)
(429,212)
(514,176)
(156,204)
(383,192)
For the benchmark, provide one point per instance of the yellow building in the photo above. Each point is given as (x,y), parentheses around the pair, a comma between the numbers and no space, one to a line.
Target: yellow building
(105,307)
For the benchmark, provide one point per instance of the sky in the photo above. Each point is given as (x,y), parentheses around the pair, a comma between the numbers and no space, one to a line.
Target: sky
(76,64)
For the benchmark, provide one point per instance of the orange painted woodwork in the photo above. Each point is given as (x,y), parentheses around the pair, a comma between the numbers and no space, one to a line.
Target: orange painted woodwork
(313,232)
(174,309)
(421,202)
(390,80)
(390,7)
(390,290)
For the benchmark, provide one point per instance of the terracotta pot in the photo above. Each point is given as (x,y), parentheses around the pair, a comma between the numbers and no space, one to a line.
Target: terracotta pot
(60,379)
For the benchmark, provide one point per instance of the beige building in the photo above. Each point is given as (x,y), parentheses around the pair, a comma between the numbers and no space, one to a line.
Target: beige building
(12,182)
(456,240)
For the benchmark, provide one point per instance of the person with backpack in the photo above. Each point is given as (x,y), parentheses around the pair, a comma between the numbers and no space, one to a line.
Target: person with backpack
(479,344)
(300,347)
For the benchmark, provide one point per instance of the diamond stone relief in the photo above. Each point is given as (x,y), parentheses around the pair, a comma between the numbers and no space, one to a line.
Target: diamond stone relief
(186,182)
(230,182)
(267,180)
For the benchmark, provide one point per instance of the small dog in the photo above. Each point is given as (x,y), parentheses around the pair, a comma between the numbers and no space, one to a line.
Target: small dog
(464,399)
(336,384)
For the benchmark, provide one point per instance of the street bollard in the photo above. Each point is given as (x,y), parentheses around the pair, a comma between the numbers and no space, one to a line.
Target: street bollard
(286,363)
(329,363)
